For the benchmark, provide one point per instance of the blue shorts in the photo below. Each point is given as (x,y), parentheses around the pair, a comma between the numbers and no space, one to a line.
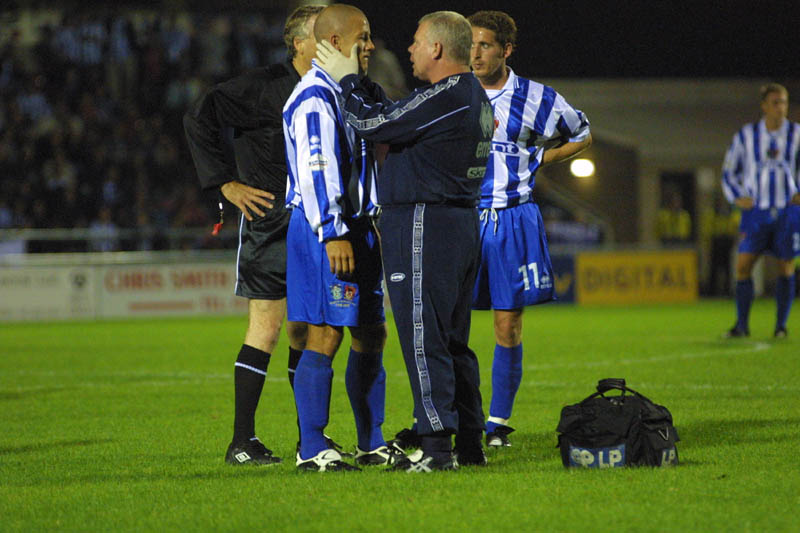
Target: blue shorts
(773,231)
(515,268)
(317,296)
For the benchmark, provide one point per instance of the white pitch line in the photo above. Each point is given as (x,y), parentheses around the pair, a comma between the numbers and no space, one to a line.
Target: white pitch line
(676,386)
(756,347)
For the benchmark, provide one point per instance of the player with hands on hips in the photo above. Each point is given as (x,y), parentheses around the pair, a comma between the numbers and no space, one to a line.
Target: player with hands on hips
(535,127)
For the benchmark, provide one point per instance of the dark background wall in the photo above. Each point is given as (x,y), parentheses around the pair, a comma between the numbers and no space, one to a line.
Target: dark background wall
(612,192)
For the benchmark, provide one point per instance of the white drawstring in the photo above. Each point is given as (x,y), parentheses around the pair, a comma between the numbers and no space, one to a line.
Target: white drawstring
(485,215)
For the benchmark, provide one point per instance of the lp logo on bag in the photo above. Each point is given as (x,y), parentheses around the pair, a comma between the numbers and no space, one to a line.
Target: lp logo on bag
(669,457)
(610,457)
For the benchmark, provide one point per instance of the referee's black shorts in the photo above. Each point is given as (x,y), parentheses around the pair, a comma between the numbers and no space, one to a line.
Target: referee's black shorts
(261,257)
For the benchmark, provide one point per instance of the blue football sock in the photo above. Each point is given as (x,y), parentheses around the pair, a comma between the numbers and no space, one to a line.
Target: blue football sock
(366,387)
(312,390)
(744,299)
(506,377)
(784,293)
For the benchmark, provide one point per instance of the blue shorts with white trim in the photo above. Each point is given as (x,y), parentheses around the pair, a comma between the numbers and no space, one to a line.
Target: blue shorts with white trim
(317,296)
(772,231)
(515,268)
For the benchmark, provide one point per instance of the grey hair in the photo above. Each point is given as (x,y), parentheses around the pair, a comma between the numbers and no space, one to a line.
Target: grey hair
(453,31)
(296,26)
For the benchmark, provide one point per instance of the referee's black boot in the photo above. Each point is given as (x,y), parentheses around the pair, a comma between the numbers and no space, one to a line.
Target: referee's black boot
(250,452)
(469,450)
(406,438)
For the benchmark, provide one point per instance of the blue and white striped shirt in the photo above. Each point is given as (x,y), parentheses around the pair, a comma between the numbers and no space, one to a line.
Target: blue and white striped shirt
(763,165)
(530,118)
(331,170)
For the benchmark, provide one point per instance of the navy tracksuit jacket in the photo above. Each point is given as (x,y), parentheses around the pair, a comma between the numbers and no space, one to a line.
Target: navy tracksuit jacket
(428,188)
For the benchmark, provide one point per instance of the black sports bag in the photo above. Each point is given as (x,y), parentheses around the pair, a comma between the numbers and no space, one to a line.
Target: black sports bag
(613,431)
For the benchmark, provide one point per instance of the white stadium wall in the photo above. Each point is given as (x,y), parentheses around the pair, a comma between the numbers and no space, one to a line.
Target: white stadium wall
(92,286)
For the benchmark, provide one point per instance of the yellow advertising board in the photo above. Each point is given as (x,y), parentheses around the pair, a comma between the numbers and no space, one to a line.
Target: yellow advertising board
(636,277)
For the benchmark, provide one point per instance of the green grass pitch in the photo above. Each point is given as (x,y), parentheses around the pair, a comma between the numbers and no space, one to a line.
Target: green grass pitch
(121,426)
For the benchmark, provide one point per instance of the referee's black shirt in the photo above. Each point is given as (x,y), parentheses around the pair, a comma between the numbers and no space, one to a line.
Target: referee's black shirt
(235,130)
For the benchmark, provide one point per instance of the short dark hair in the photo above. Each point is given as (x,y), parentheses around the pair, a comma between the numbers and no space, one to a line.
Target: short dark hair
(295,26)
(503,26)
(766,90)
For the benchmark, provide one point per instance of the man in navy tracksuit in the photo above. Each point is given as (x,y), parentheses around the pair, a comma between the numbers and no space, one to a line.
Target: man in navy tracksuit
(439,138)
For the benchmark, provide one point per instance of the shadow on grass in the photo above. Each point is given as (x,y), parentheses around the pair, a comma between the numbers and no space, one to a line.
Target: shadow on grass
(23,394)
(530,447)
(40,446)
(214,474)
(731,432)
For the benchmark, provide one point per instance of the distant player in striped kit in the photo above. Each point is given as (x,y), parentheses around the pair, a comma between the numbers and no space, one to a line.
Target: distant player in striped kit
(535,126)
(760,176)
(333,268)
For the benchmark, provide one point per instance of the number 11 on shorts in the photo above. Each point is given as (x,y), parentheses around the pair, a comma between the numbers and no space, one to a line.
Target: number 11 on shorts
(524,271)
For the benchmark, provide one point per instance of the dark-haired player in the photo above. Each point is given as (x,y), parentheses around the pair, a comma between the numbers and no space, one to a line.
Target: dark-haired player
(535,127)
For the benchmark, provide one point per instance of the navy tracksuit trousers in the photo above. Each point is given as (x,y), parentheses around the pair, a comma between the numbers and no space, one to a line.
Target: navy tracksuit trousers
(430,257)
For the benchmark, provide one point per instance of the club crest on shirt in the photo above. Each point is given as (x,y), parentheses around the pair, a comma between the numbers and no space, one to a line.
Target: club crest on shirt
(487,120)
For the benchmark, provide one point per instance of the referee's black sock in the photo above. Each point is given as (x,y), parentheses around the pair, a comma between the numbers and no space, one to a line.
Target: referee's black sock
(294,357)
(248,380)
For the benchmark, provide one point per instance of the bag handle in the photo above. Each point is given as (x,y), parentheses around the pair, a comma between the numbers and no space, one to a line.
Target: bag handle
(607,384)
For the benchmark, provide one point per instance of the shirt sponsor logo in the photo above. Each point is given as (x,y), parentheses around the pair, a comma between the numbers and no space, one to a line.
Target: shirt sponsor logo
(483,149)
(476,172)
(397,277)
(505,147)
(610,457)
(318,163)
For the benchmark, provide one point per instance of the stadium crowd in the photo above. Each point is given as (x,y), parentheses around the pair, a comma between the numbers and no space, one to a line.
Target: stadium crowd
(90,117)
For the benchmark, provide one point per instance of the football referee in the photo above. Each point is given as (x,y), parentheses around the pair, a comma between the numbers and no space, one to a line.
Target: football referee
(235,133)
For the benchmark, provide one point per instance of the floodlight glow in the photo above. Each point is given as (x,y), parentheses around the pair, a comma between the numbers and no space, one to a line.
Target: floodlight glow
(582,168)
